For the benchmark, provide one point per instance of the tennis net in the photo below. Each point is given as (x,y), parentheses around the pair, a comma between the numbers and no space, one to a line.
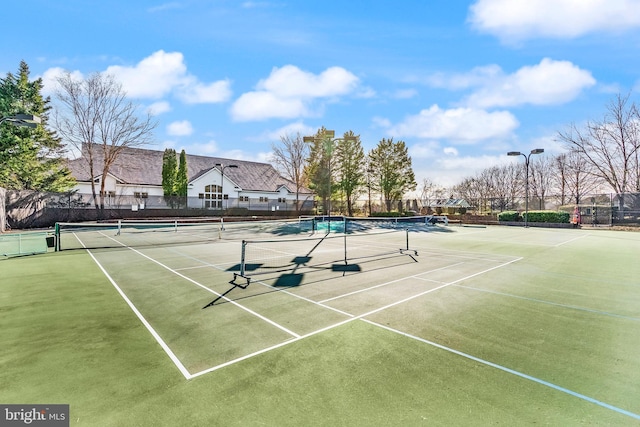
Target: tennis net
(127,233)
(23,243)
(321,251)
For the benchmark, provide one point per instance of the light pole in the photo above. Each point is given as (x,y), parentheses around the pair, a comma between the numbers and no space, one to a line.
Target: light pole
(526,179)
(23,120)
(328,138)
(222,168)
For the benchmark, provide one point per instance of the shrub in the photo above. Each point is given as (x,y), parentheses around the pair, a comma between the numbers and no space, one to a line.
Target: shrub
(535,216)
(509,216)
(548,216)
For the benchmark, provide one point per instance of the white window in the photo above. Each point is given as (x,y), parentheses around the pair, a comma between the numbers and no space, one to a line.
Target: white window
(212,196)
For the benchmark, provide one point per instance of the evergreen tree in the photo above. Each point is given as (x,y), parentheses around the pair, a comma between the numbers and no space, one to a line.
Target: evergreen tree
(393,175)
(30,159)
(169,175)
(318,171)
(182,179)
(350,167)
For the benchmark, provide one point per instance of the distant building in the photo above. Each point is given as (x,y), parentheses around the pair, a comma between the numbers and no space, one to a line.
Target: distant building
(450,206)
(136,179)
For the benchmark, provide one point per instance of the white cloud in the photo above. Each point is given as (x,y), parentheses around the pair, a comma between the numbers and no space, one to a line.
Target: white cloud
(50,76)
(290,129)
(514,21)
(290,81)
(163,73)
(266,105)
(159,107)
(181,128)
(289,92)
(200,93)
(547,83)
(156,76)
(461,125)
(452,151)
(153,77)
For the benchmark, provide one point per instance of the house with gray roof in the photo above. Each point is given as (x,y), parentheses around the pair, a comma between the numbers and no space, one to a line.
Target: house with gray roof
(213,182)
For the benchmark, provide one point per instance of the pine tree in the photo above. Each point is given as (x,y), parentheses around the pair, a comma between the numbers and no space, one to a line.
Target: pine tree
(318,171)
(169,171)
(182,179)
(30,159)
(350,167)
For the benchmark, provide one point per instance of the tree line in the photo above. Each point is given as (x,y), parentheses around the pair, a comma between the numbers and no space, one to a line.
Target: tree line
(601,156)
(339,169)
(93,115)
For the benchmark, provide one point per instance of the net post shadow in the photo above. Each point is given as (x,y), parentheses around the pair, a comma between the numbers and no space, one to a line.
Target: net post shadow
(235,285)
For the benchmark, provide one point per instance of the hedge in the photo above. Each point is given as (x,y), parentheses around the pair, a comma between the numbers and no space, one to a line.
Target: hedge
(536,216)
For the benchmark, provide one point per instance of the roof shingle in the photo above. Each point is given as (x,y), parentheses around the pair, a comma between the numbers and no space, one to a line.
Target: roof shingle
(144,167)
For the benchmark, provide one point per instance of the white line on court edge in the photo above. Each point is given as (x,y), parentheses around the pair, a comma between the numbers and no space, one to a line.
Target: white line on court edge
(388,283)
(271,322)
(147,325)
(511,371)
(571,240)
(360,316)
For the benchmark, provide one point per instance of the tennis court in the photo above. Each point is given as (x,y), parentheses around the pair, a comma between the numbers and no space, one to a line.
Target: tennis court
(479,325)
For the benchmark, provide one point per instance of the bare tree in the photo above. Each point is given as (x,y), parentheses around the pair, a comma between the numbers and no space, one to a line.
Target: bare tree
(577,176)
(541,180)
(290,157)
(97,119)
(610,145)
(504,184)
(429,191)
(474,191)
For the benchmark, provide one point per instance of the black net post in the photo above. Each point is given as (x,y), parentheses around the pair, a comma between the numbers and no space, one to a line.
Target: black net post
(243,258)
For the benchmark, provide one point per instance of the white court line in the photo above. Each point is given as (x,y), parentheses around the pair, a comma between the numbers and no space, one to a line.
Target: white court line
(510,371)
(183,370)
(208,289)
(248,310)
(388,283)
(360,316)
(296,336)
(572,240)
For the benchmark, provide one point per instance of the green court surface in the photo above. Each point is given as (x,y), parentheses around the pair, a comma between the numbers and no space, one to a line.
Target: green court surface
(472,326)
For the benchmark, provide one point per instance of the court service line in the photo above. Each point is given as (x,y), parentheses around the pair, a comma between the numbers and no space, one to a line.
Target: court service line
(248,310)
(387,283)
(511,371)
(344,322)
(572,240)
(183,370)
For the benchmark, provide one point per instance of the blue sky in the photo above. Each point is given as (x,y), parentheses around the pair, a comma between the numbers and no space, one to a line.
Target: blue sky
(460,82)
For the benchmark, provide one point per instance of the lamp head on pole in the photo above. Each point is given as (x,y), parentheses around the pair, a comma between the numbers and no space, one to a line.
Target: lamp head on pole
(223,166)
(537,151)
(23,120)
(514,153)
